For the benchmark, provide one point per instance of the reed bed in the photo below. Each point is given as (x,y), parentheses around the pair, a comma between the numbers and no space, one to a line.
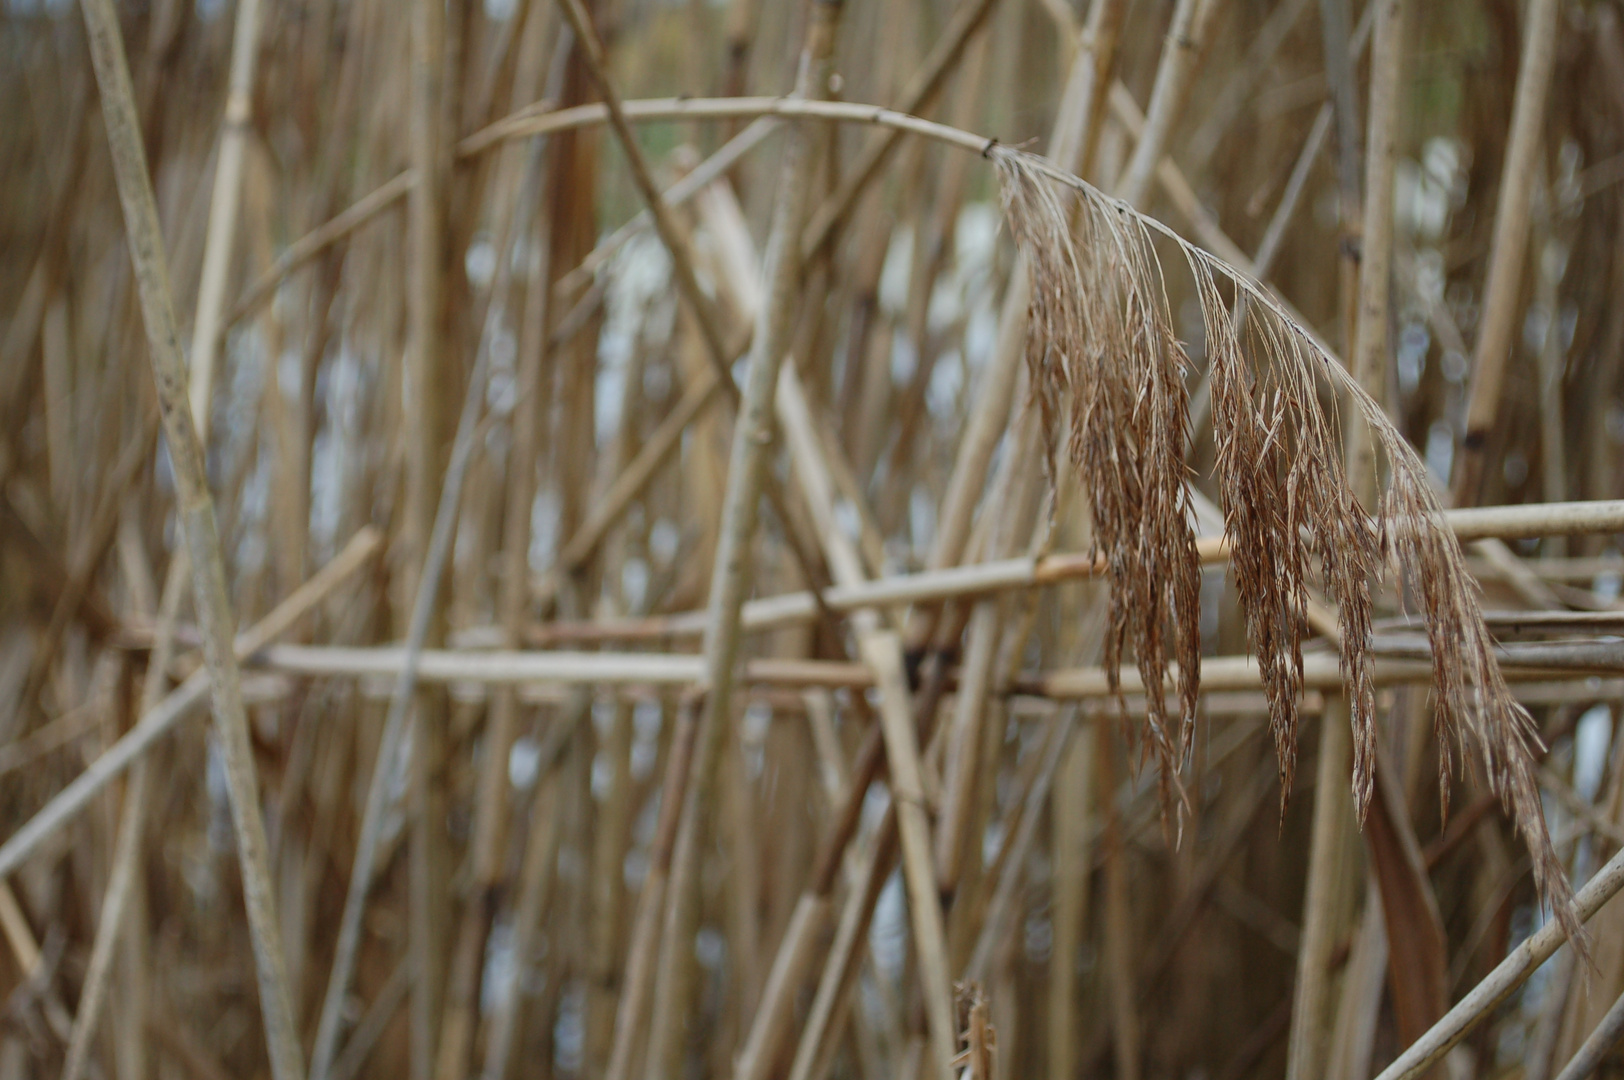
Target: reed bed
(811,539)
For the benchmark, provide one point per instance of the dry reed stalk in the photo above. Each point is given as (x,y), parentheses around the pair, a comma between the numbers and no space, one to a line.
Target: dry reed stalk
(157,722)
(1226,106)
(1012,862)
(425,602)
(1124,1023)
(917,96)
(429,518)
(1509,974)
(371,1028)
(1071,856)
(1331,880)
(747,473)
(196,511)
(1601,1042)
(125,876)
(1075,134)
(1503,290)
(644,943)
(1187,37)
(882,654)
(832,998)
(491,792)
(207,329)
(1418,951)
(1014,503)
(535,883)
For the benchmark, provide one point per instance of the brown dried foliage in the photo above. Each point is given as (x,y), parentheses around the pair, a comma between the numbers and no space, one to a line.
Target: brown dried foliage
(1104,356)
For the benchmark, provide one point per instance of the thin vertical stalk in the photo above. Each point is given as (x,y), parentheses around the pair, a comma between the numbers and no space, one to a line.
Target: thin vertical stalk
(1072,142)
(1502,292)
(1371,347)
(424,605)
(731,578)
(881,651)
(429,374)
(126,851)
(208,329)
(1069,826)
(1331,847)
(1186,38)
(206,340)
(1601,1042)
(638,981)
(196,512)
(491,793)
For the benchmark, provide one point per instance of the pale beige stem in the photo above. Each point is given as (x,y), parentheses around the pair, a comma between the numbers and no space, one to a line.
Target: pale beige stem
(195,509)
(1502,310)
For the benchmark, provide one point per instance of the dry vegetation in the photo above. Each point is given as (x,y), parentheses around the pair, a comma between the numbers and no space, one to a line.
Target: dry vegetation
(807,539)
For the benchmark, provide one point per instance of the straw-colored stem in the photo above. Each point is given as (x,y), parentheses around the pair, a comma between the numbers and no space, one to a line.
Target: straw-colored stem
(881,652)
(491,795)
(1502,293)
(424,604)
(638,982)
(833,995)
(1187,37)
(1331,848)
(1075,134)
(1601,1042)
(1509,974)
(195,509)
(921,90)
(207,333)
(159,721)
(123,878)
(731,576)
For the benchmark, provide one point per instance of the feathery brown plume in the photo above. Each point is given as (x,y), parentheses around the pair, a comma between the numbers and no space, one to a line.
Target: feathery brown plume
(1101,345)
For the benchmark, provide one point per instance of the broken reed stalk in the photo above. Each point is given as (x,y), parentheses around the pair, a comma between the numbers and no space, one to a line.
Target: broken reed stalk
(1287,500)
(424,603)
(1502,309)
(195,508)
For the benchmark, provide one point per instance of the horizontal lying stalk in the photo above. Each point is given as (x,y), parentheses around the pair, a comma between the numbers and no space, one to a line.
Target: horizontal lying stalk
(1320,670)
(787,609)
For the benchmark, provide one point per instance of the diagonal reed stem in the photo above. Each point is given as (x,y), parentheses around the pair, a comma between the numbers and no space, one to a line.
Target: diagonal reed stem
(196,512)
